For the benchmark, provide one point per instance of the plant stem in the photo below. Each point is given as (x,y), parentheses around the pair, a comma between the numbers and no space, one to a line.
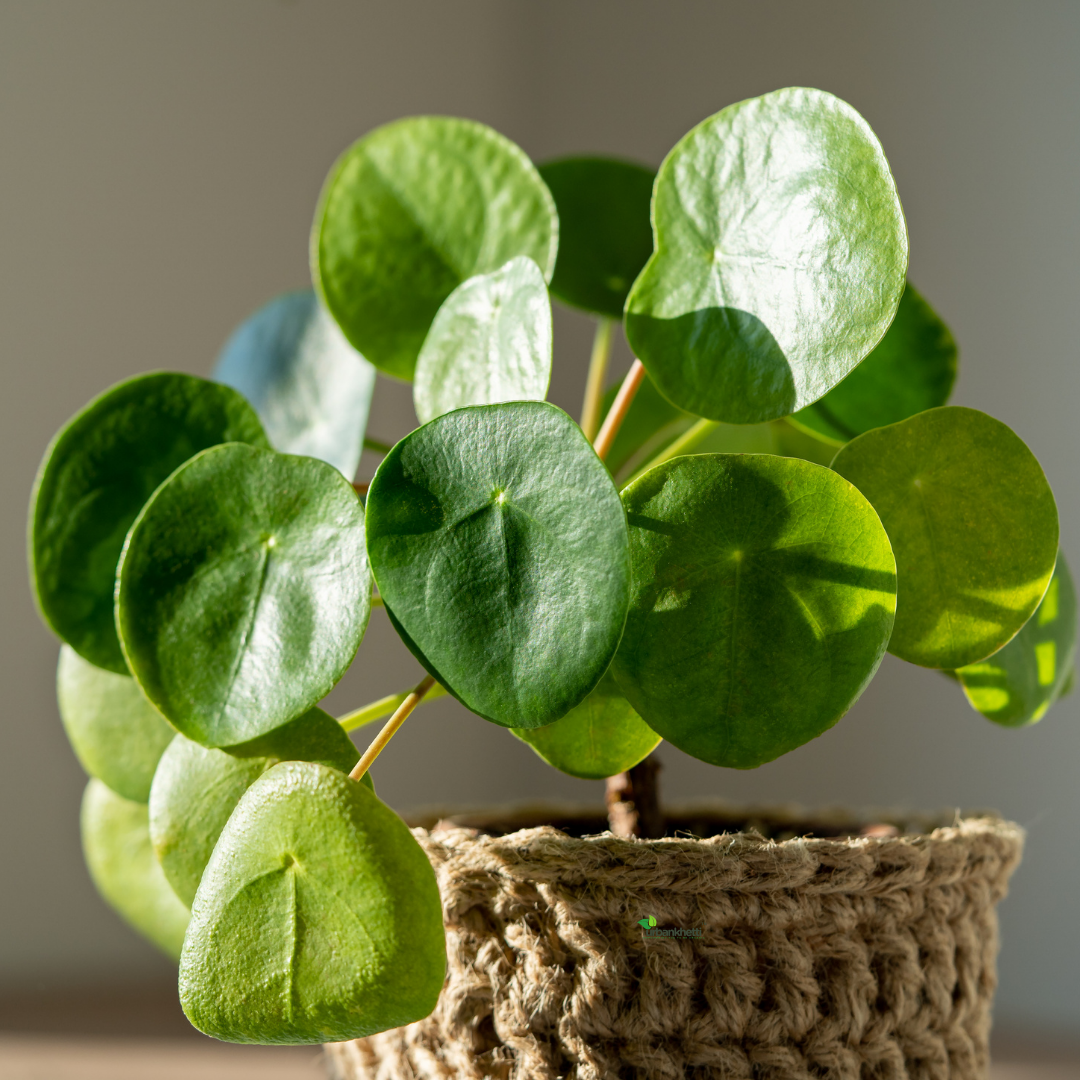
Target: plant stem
(684,444)
(619,408)
(377,600)
(361,489)
(633,801)
(377,446)
(400,715)
(594,385)
(383,707)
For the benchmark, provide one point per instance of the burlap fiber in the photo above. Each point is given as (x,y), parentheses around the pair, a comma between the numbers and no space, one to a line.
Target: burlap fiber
(858,958)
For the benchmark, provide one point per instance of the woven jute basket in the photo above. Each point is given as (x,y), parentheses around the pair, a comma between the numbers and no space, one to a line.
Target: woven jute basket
(822,953)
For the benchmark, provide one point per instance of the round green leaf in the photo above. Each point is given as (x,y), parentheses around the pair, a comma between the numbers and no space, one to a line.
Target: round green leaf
(763,597)
(196,789)
(408,213)
(318,918)
(100,468)
(490,342)
(604,233)
(600,737)
(116,843)
(780,258)
(973,524)
(311,388)
(913,368)
(499,545)
(243,591)
(1017,685)
(117,735)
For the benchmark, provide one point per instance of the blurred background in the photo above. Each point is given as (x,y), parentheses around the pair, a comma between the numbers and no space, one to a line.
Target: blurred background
(159,166)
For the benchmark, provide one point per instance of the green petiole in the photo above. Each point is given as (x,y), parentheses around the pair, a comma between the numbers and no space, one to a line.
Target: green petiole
(376,710)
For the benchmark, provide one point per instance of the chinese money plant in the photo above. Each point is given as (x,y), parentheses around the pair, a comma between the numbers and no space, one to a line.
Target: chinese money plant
(719,554)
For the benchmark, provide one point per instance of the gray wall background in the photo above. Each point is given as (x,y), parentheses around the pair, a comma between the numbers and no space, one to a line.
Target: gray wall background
(159,164)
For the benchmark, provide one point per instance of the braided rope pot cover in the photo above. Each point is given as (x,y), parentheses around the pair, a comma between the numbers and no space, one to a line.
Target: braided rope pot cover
(857,958)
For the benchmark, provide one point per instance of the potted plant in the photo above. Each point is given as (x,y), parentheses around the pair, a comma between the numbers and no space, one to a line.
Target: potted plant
(719,554)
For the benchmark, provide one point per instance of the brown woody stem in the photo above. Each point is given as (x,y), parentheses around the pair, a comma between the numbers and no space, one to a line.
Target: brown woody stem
(633,801)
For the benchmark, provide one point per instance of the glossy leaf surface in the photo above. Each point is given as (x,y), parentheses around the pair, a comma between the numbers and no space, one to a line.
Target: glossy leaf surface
(408,213)
(763,597)
(604,233)
(117,735)
(781,251)
(116,844)
(98,471)
(1017,685)
(973,524)
(503,563)
(490,342)
(913,368)
(196,789)
(598,738)
(244,591)
(318,918)
(311,388)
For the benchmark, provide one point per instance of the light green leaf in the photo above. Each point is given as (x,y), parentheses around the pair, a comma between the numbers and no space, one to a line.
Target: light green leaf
(100,468)
(196,789)
(243,591)
(600,737)
(408,213)
(763,597)
(503,564)
(973,524)
(781,251)
(604,233)
(913,368)
(116,843)
(311,388)
(117,735)
(490,342)
(1017,685)
(318,918)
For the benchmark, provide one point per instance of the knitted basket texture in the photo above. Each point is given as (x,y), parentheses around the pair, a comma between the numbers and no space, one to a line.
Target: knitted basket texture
(854,958)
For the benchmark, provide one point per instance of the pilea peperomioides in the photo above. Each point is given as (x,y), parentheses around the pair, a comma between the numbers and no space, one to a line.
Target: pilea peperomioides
(719,554)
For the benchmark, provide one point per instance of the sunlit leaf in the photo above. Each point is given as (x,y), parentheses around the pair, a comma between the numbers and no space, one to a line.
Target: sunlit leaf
(311,388)
(243,591)
(100,468)
(1017,685)
(490,342)
(763,597)
(604,233)
(781,251)
(973,524)
(116,843)
(318,918)
(408,213)
(117,735)
(503,563)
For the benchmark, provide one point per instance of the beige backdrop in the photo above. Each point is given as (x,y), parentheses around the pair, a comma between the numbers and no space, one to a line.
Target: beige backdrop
(159,164)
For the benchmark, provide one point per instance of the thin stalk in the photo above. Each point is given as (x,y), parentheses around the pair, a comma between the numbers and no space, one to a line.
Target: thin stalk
(401,713)
(594,385)
(619,408)
(376,710)
(684,444)
(377,600)
(376,445)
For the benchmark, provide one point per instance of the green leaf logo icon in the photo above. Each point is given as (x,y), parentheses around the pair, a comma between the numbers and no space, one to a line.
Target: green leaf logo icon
(647,923)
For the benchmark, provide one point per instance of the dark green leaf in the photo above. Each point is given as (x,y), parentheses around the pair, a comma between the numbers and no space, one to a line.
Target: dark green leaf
(913,368)
(196,789)
(604,233)
(411,211)
(100,468)
(311,388)
(116,843)
(117,735)
(243,591)
(503,563)
(763,597)
(1016,685)
(490,342)
(318,918)
(600,737)
(780,258)
(973,524)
